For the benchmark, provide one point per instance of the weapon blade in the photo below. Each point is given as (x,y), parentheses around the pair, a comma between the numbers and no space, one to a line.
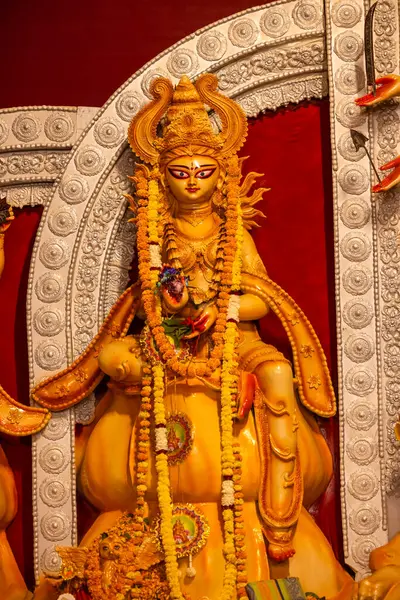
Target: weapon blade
(369,47)
(359,140)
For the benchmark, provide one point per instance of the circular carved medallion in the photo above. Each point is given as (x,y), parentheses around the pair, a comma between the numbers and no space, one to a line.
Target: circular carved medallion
(212,45)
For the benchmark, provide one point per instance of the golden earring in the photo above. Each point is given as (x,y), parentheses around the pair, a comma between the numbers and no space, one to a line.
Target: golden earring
(217,197)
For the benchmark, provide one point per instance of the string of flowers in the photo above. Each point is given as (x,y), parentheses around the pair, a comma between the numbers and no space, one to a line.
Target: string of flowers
(225,338)
(152,225)
(136,523)
(232,495)
(163,483)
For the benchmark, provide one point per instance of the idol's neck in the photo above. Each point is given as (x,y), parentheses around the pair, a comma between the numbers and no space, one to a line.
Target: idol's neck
(198,218)
(195,207)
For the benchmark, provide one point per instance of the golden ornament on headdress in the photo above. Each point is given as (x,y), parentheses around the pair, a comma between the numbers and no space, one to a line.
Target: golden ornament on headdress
(186,120)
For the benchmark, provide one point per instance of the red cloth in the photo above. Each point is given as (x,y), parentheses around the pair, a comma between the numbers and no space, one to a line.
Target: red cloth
(14,375)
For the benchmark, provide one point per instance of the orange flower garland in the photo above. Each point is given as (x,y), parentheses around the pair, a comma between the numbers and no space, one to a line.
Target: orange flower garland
(224,337)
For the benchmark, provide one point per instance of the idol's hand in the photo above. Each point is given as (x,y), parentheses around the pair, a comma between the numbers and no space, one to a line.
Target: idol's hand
(390,180)
(388,87)
(171,302)
(377,586)
(203,322)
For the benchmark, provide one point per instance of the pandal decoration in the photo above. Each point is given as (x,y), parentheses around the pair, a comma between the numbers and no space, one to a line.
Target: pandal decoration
(187,131)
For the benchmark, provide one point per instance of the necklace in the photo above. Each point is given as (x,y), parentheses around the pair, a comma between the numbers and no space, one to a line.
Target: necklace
(196,217)
(192,238)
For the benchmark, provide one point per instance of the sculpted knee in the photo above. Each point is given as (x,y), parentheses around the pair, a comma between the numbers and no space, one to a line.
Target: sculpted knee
(275,379)
(389,554)
(8,493)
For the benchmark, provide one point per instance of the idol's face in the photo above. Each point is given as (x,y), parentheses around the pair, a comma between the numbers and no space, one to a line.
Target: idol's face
(193,179)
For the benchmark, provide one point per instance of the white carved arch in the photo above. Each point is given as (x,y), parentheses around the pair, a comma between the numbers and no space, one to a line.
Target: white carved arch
(265,57)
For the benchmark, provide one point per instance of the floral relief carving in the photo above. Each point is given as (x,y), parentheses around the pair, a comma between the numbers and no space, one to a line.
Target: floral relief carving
(28,195)
(269,97)
(50,287)
(357,314)
(388,213)
(27,163)
(274,61)
(93,248)
(48,321)
(362,450)
(385,32)
(50,355)
(53,492)
(359,347)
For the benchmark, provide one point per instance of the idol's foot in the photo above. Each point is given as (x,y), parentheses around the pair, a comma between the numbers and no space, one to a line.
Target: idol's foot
(314,563)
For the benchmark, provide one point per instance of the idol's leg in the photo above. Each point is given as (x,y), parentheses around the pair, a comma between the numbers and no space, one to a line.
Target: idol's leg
(12,585)
(283,492)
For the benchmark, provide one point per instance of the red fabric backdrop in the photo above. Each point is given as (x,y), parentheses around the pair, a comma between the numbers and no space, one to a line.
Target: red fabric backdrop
(78,53)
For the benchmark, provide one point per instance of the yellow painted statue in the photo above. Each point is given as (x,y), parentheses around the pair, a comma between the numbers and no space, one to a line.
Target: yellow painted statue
(205,452)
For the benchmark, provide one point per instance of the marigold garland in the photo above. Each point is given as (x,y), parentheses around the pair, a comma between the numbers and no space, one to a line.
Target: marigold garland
(224,338)
(163,486)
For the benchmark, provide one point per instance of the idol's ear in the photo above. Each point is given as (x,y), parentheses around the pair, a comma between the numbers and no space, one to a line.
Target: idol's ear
(77,381)
(233,118)
(142,132)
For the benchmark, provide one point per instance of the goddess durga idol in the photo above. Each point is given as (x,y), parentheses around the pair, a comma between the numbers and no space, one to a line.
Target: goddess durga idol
(205,451)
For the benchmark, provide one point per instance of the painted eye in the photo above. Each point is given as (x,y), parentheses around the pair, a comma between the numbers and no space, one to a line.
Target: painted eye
(178,174)
(205,173)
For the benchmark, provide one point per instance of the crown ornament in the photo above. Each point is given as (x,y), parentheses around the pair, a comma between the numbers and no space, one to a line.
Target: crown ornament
(184,120)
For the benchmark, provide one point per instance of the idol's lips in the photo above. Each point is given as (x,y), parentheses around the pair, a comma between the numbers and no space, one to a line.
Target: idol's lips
(192,189)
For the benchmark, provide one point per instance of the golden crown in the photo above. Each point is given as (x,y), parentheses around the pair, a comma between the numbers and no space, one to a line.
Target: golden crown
(186,120)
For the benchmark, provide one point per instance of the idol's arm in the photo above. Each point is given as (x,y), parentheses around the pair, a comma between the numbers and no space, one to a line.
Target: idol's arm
(252,306)
(282,499)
